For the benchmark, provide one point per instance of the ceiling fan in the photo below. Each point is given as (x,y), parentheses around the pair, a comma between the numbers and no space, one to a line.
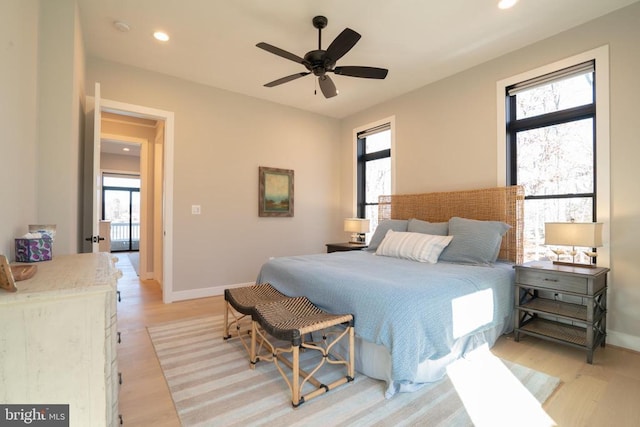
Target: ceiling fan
(320,62)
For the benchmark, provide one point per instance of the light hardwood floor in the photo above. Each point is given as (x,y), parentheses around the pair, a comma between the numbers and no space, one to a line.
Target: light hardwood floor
(606,393)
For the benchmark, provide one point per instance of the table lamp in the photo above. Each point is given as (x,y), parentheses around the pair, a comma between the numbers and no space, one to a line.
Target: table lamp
(582,234)
(357,227)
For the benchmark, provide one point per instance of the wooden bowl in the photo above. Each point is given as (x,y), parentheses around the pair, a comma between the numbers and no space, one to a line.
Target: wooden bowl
(22,271)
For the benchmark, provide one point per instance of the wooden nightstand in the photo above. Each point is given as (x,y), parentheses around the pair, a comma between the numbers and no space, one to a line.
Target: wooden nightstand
(345,246)
(562,304)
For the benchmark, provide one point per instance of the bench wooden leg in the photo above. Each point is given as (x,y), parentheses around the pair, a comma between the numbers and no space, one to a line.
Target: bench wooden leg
(253,358)
(295,381)
(352,353)
(225,334)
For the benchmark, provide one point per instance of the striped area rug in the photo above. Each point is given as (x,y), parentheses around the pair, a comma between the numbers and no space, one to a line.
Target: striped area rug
(211,385)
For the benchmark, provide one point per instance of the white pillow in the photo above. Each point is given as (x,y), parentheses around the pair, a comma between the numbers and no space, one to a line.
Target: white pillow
(414,246)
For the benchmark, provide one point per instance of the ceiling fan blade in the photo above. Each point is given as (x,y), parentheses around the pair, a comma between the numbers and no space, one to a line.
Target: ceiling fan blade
(286,79)
(327,87)
(342,44)
(364,72)
(283,53)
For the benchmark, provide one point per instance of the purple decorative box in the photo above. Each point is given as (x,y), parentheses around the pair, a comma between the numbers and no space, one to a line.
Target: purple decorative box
(34,250)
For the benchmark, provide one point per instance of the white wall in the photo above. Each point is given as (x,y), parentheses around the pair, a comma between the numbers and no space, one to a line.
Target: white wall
(41,88)
(60,121)
(446,140)
(221,139)
(18,107)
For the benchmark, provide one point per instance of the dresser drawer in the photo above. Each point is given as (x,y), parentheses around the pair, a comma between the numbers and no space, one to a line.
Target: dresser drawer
(555,281)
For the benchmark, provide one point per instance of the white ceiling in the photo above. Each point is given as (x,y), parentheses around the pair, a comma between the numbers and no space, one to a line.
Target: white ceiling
(419,41)
(121,148)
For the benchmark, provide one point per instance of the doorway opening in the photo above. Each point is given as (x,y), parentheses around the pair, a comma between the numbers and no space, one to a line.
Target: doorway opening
(156,182)
(121,207)
(131,181)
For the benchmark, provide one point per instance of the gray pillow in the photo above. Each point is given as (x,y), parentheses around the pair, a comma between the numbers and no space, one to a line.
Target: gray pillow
(425,227)
(474,242)
(381,231)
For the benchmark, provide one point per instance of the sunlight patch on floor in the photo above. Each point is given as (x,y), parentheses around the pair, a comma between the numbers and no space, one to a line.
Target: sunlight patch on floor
(492,395)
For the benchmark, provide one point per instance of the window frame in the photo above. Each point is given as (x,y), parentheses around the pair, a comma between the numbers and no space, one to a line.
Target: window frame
(360,158)
(602,125)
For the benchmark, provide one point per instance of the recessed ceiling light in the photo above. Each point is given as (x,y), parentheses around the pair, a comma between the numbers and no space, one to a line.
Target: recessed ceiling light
(506,4)
(161,36)
(126,149)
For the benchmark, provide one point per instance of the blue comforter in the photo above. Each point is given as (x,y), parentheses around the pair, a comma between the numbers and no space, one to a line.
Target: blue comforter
(416,310)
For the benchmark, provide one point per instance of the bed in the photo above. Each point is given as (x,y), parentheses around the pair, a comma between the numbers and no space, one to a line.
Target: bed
(413,318)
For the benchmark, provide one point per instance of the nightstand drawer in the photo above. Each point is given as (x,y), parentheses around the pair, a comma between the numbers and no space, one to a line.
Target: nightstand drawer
(560,283)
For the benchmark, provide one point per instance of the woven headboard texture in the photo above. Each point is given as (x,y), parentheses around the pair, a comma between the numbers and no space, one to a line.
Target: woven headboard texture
(504,204)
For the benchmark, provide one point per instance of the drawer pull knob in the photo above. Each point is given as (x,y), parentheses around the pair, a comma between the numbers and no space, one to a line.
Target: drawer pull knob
(118,295)
(119,338)
(550,280)
(120,378)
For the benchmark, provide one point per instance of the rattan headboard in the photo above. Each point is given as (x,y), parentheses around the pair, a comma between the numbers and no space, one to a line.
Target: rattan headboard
(491,204)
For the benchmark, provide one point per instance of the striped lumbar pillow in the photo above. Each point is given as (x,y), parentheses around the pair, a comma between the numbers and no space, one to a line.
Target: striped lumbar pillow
(414,246)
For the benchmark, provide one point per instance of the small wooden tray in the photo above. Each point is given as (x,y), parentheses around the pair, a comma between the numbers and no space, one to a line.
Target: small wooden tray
(23,272)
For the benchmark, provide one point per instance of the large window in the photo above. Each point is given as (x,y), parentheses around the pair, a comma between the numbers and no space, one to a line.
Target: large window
(374,170)
(551,150)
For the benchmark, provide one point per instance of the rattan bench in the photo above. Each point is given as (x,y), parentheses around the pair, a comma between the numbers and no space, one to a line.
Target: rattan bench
(243,301)
(290,320)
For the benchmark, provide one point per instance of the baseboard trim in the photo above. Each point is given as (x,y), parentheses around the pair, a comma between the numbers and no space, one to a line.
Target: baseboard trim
(204,292)
(623,340)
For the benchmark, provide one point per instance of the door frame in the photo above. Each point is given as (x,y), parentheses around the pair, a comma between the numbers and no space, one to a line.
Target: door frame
(167,117)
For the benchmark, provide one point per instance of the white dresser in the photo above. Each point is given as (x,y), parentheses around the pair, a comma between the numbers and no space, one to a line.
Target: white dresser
(58,339)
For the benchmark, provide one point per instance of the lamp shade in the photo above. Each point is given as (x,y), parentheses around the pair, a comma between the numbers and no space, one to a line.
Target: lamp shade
(356,225)
(585,234)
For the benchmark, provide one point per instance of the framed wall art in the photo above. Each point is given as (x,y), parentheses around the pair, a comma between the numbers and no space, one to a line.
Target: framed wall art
(275,192)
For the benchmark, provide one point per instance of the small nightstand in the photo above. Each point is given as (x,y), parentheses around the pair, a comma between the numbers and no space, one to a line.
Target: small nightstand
(346,246)
(563,304)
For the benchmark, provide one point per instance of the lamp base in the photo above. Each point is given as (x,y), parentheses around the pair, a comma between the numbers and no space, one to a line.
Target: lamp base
(574,264)
(358,238)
